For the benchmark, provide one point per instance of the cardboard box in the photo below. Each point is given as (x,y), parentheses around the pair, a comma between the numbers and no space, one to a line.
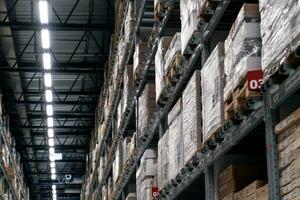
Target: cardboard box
(128,88)
(191,114)
(212,83)
(146,189)
(287,122)
(294,195)
(290,173)
(139,57)
(240,195)
(262,193)
(289,158)
(126,149)
(117,164)
(163,161)
(239,171)
(228,197)
(290,186)
(175,140)
(231,186)
(173,50)
(251,189)
(148,164)
(146,107)
(292,147)
(160,71)
(288,137)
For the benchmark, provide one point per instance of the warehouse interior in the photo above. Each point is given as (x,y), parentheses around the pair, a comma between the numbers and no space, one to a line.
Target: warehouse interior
(149,100)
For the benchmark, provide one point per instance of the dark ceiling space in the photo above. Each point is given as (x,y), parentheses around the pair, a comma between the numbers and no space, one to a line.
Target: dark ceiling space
(80,38)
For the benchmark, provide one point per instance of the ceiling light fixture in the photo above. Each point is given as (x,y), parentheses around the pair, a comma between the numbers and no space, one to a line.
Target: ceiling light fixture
(51,143)
(49,110)
(50,122)
(52,158)
(43,7)
(53,187)
(53,176)
(52,164)
(45,37)
(50,132)
(51,151)
(48,80)
(53,171)
(49,96)
(47,61)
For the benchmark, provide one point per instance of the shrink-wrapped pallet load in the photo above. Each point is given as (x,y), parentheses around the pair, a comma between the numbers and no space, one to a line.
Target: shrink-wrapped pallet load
(173,50)
(128,88)
(175,140)
(189,20)
(139,58)
(131,196)
(191,115)
(126,149)
(146,107)
(148,164)
(129,21)
(117,164)
(242,49)
(280,28)
(212,83)
(163,161)
(163,45)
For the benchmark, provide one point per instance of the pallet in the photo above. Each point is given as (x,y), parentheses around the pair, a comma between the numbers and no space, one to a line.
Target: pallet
(213,139)
(173,71)
(284,66)
(194,40)
(207,9)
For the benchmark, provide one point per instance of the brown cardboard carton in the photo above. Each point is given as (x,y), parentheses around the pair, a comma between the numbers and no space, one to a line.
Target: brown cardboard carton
(288,137)
(289,149)
(239,171)
(229,197)
(240,195)
(290,173)
(288,121)
(290,187)
(191,114)
(251,197)
(294,195)
(251,189)
(262,193)
(231,186)
(285,161)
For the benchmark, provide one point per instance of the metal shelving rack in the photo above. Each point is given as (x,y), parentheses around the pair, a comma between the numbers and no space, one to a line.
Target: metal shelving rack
(3,169)
(262,111)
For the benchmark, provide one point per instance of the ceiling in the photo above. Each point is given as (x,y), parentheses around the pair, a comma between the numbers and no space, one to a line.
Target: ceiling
(80,36)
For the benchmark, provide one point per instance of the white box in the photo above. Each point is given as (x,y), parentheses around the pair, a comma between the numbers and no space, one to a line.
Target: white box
(146,189)
(191,114)
(148,163)
(174,48)
(212,83)
(163,161)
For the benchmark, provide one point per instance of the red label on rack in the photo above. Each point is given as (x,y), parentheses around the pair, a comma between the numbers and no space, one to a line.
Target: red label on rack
(154,192)
(255,79)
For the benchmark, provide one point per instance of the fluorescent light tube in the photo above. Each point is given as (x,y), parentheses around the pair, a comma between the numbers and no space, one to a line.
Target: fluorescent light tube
(51,143)
(50,122)
(52,164)
(49,96)
(48,80)
(49,110)
(53,187)
(51,151)
(52,158)
(43,8)
(53,171)
(45,37)
(53,176)
(47,61)
(50,132)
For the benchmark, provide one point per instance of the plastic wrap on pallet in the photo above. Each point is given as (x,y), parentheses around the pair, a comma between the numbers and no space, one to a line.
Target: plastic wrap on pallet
(146,108)
(163,161)
(189,20)
(191,114)
(175,139)
(104,192)
(129,21)
(126,149)
(242,48)
(163,45)
(280,22)
(174,48)
(120,112)
(128,88)
(132,144)
(101,168)
(146,189)
(138,184)
(121,52)
(148,164)
(139,57)
(212,83)
(117,164)
(131,196)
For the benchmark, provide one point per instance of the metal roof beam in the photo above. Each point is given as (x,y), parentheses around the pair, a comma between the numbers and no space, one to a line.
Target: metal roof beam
(58,26)
(58,161)
(54,102)
(58,92)
(58,147)
(64,133)
(78,128)
(53,70)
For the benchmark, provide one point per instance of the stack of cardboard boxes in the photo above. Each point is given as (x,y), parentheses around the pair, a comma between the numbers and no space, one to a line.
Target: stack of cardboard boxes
(241,182)
(212,83)
(139,59)
(280,22)
(242,48)
(146,107)
(288,131)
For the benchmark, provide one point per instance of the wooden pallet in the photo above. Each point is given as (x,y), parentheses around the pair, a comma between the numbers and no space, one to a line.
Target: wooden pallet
(194,40)
(284,65)
(241,95)
(173,71)
(229,109)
